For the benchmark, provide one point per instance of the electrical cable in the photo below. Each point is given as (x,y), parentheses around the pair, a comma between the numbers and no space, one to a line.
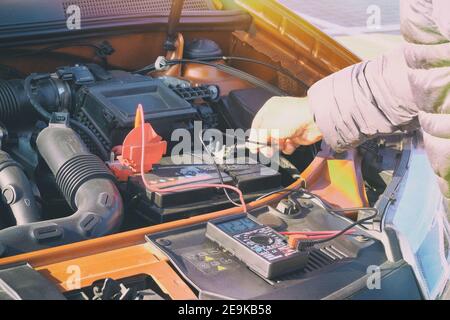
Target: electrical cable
(315,235)
(283,162)
(211,155)
(242,59)
(226,69)
(180,188)
(301,185)
(219,173)
(291,191)
(306,244)
(283,71)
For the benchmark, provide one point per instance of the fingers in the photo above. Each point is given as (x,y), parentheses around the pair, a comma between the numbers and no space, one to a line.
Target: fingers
(289,147)
(304,137)
(265,141)
(268,142)
(311,135)
(283,122)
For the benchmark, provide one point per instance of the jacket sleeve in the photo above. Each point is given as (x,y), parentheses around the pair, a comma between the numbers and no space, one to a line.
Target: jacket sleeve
(365,100)
(441,12)
(385,95)
(422,21)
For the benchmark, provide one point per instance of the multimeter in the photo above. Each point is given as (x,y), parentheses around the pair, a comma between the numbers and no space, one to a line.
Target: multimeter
(260,247)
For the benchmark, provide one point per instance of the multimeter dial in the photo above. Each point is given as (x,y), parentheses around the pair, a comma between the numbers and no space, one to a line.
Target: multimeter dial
(265,242)
(262,239)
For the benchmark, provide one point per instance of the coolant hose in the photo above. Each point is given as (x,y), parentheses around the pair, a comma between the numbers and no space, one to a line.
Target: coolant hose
(87,185)
(16,191)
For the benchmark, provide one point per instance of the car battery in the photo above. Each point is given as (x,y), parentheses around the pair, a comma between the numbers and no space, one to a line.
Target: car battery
(254,180)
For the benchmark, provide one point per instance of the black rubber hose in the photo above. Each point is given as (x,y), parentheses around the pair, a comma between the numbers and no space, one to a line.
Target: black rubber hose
(16,191)
(88,186)
(29,92)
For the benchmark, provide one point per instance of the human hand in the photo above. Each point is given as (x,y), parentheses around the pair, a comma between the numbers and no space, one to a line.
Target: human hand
(283,122)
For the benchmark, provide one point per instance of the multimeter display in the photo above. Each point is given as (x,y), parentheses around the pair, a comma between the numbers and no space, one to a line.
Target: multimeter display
(260,247)
(238,226)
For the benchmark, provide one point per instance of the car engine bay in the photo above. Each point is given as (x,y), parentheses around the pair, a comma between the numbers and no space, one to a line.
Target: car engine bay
(89,150)
(74,166)
(142,176)
(63,131)
(128,171)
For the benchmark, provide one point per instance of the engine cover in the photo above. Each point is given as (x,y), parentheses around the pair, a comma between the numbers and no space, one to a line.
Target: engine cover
(109,107)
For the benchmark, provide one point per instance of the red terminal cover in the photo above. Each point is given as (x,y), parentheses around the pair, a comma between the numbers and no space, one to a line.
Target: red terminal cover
(131,150)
